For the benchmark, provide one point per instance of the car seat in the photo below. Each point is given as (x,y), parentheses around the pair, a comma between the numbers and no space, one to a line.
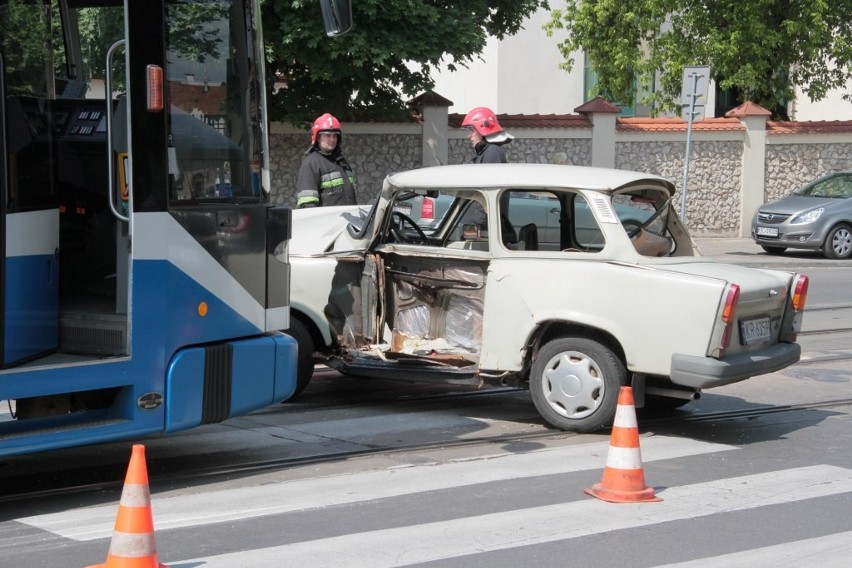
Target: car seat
(528,237)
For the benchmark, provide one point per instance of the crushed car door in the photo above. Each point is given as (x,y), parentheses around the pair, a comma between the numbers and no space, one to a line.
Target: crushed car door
(433,306)
(353,309)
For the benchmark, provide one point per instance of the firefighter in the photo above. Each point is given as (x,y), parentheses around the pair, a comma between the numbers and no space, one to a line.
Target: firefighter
(487,136)
(325,177)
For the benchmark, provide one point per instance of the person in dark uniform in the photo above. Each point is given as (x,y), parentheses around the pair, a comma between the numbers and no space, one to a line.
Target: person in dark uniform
(487,136)
(325,177)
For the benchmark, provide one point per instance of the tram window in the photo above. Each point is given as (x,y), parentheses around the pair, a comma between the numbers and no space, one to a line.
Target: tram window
(99,27)
(213,112)
(31,71)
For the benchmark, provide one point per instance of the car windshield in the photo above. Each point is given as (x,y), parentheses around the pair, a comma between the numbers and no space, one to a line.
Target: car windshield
(835,187)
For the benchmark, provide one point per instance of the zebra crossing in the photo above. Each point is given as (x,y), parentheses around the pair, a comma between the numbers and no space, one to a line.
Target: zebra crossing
(466,536)
(460,537)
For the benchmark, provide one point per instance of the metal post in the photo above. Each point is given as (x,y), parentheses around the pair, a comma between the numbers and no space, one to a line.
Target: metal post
(690,115)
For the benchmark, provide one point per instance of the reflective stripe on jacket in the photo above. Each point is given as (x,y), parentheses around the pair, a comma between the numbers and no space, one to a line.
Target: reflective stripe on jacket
(325,180)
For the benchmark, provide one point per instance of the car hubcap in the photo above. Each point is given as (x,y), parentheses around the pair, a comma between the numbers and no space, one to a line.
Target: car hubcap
(842,242)
(573,384)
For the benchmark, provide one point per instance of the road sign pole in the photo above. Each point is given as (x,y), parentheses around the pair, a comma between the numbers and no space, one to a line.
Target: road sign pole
(694,97)
(691,115)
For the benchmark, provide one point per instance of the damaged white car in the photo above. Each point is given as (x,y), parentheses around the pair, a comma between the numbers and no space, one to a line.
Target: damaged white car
(567,280)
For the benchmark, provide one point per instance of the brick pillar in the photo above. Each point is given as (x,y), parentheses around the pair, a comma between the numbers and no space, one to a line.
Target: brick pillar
(753,179)
(602,115)
(434,111)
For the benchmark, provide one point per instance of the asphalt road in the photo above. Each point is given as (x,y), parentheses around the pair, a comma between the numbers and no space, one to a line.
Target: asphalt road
(741,250)
(373,473)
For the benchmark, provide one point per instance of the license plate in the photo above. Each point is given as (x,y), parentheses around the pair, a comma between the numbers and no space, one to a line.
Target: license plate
(755,331)
(404,208)
(767,231)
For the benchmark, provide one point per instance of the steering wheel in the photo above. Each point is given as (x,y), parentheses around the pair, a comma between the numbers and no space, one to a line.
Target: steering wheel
(632,233)
(399,235)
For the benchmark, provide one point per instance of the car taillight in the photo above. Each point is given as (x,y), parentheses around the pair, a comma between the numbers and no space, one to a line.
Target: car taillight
(725,322)
(793,321)
(728,315)
(427,211)
(800,293)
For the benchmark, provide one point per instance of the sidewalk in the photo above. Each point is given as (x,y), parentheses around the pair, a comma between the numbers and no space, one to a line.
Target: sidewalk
(743,250)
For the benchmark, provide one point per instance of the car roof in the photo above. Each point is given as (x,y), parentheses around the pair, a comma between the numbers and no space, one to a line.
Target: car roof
(485,176)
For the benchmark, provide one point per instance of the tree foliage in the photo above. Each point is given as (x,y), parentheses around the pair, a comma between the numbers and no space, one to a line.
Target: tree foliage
(759,49)
(25,44)
(387,57)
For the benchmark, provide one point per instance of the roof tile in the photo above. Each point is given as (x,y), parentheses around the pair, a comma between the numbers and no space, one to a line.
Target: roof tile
(674,124)
(509,121)
(809,127)
(748,108)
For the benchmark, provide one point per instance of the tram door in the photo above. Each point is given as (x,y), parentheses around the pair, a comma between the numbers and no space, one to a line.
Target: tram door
(29,208)
(64,224)
(92,87)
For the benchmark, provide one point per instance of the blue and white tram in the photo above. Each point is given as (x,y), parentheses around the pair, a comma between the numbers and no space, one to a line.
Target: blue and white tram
(144,275)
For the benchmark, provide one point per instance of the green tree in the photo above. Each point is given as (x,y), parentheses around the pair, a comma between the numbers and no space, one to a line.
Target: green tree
(25,32)
(759,49)
(387,57)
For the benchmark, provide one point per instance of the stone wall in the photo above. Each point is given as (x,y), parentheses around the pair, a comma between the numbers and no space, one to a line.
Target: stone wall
(725,185)
(372,157)
(713,199)
(790,166)
(576,151)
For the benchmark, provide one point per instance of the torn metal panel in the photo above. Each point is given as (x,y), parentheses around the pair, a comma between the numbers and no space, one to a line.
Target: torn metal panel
(435,306)
(344,310)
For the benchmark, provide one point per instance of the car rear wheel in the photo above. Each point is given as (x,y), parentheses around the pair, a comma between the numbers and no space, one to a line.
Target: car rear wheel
(773,250)
(574,383)
(838,243)
(305,362)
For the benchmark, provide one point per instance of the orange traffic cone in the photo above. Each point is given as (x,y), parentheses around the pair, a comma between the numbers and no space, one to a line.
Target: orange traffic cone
(132,544)
(623,479)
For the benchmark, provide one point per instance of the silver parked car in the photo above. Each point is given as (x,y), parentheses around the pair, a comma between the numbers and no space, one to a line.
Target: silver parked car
(816,217)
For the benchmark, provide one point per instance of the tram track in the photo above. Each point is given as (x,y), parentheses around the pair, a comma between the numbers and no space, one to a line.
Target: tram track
(214,473)
(48,487)
(826,331)
(816,311)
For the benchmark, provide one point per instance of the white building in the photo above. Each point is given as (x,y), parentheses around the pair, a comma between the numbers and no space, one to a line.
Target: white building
(521,75)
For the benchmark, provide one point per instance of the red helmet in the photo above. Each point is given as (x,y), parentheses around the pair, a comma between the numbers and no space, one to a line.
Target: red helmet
(483,120)
(325,123)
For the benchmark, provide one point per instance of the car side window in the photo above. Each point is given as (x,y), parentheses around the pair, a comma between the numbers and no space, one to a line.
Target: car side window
(586,231)
(548,221)
(838,187)
(529,220)
(470,228)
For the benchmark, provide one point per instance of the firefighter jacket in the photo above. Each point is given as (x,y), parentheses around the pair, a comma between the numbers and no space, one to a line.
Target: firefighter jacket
(489,153)
(325,179)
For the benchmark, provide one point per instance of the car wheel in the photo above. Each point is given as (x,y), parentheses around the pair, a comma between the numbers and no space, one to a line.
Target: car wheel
(838,243)
(574,383)
(305,362)
(773,250)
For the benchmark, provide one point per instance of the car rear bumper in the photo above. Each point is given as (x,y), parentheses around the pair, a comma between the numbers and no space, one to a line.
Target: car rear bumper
(706,372)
